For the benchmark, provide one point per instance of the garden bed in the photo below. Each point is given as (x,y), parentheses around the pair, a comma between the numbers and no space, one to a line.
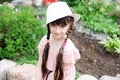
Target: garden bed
(95,60)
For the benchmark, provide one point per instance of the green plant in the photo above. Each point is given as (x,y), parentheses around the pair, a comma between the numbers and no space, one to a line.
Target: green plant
(77,75)
(1,1)
(20,32)
(72,3)
(95,15)
(40,14)
(29,59)
(113,44)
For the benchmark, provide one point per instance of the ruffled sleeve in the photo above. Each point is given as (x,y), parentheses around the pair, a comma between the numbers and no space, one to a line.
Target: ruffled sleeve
(42,45)
(70,56)
(76,54)
(71,53)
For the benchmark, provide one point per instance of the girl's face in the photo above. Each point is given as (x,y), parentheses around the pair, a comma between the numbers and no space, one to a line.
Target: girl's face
(59,32)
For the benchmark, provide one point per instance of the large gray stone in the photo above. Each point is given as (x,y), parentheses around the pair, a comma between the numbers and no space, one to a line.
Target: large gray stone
(118,76)
(22,2)
(87,77)
(4,66)
(89,33)
(106,77)
(117,1)
(21,72)
(38,3)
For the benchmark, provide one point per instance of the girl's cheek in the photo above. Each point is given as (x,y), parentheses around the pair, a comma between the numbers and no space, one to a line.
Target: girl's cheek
(52,30)
(65,30)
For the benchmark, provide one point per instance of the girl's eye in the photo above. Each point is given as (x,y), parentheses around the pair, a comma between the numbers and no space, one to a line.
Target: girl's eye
(63,26)
(53,26)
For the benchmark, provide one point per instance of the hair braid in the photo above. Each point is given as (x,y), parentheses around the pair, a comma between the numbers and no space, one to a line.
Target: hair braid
(58,75)
(48,33)
(45,54)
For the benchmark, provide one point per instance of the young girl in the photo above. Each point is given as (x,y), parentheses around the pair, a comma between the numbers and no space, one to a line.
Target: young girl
(57,53)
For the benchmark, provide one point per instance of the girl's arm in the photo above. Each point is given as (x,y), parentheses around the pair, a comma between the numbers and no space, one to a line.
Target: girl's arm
(38,74)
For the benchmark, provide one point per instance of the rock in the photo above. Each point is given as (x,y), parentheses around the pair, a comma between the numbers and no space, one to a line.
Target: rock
(87,77)
(118,76)
(4,66)
(116,12)
(38,3)
(22,2)
(80,27)
(99,36)
(21,72)
(106,77)
(107,3)
(117,1)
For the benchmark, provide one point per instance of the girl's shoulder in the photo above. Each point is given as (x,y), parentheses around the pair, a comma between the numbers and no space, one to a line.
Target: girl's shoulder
(70,46)
(43,41)
(71,53)
(70,43)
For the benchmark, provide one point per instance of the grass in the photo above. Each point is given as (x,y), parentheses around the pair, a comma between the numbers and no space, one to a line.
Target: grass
(28,59)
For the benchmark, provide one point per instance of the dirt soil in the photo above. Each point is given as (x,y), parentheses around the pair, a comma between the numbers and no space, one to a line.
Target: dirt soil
(95,60)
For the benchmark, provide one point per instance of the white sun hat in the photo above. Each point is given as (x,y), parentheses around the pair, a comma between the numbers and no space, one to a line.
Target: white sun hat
(59,10)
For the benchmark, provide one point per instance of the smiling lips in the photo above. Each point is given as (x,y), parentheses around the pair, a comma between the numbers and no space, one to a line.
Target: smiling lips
(57,35)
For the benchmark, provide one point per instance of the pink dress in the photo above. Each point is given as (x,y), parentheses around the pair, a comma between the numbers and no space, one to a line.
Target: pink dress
(70,56)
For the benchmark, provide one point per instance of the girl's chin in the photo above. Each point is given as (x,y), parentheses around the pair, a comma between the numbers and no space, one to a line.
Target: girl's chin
(57,36)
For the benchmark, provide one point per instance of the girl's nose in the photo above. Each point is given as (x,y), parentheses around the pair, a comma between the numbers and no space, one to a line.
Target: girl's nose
(57,29)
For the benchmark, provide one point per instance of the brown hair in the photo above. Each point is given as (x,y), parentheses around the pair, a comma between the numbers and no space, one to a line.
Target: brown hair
(58,75)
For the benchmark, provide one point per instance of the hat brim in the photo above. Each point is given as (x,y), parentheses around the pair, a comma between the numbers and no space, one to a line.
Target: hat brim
(75,16)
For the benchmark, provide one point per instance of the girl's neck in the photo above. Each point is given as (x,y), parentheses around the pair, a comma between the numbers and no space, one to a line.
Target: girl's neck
(55,44)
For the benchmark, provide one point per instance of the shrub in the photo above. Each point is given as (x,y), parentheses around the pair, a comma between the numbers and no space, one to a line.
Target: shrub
(95,15)
(2,1)
(20,32)
(72,3)
(112,44)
